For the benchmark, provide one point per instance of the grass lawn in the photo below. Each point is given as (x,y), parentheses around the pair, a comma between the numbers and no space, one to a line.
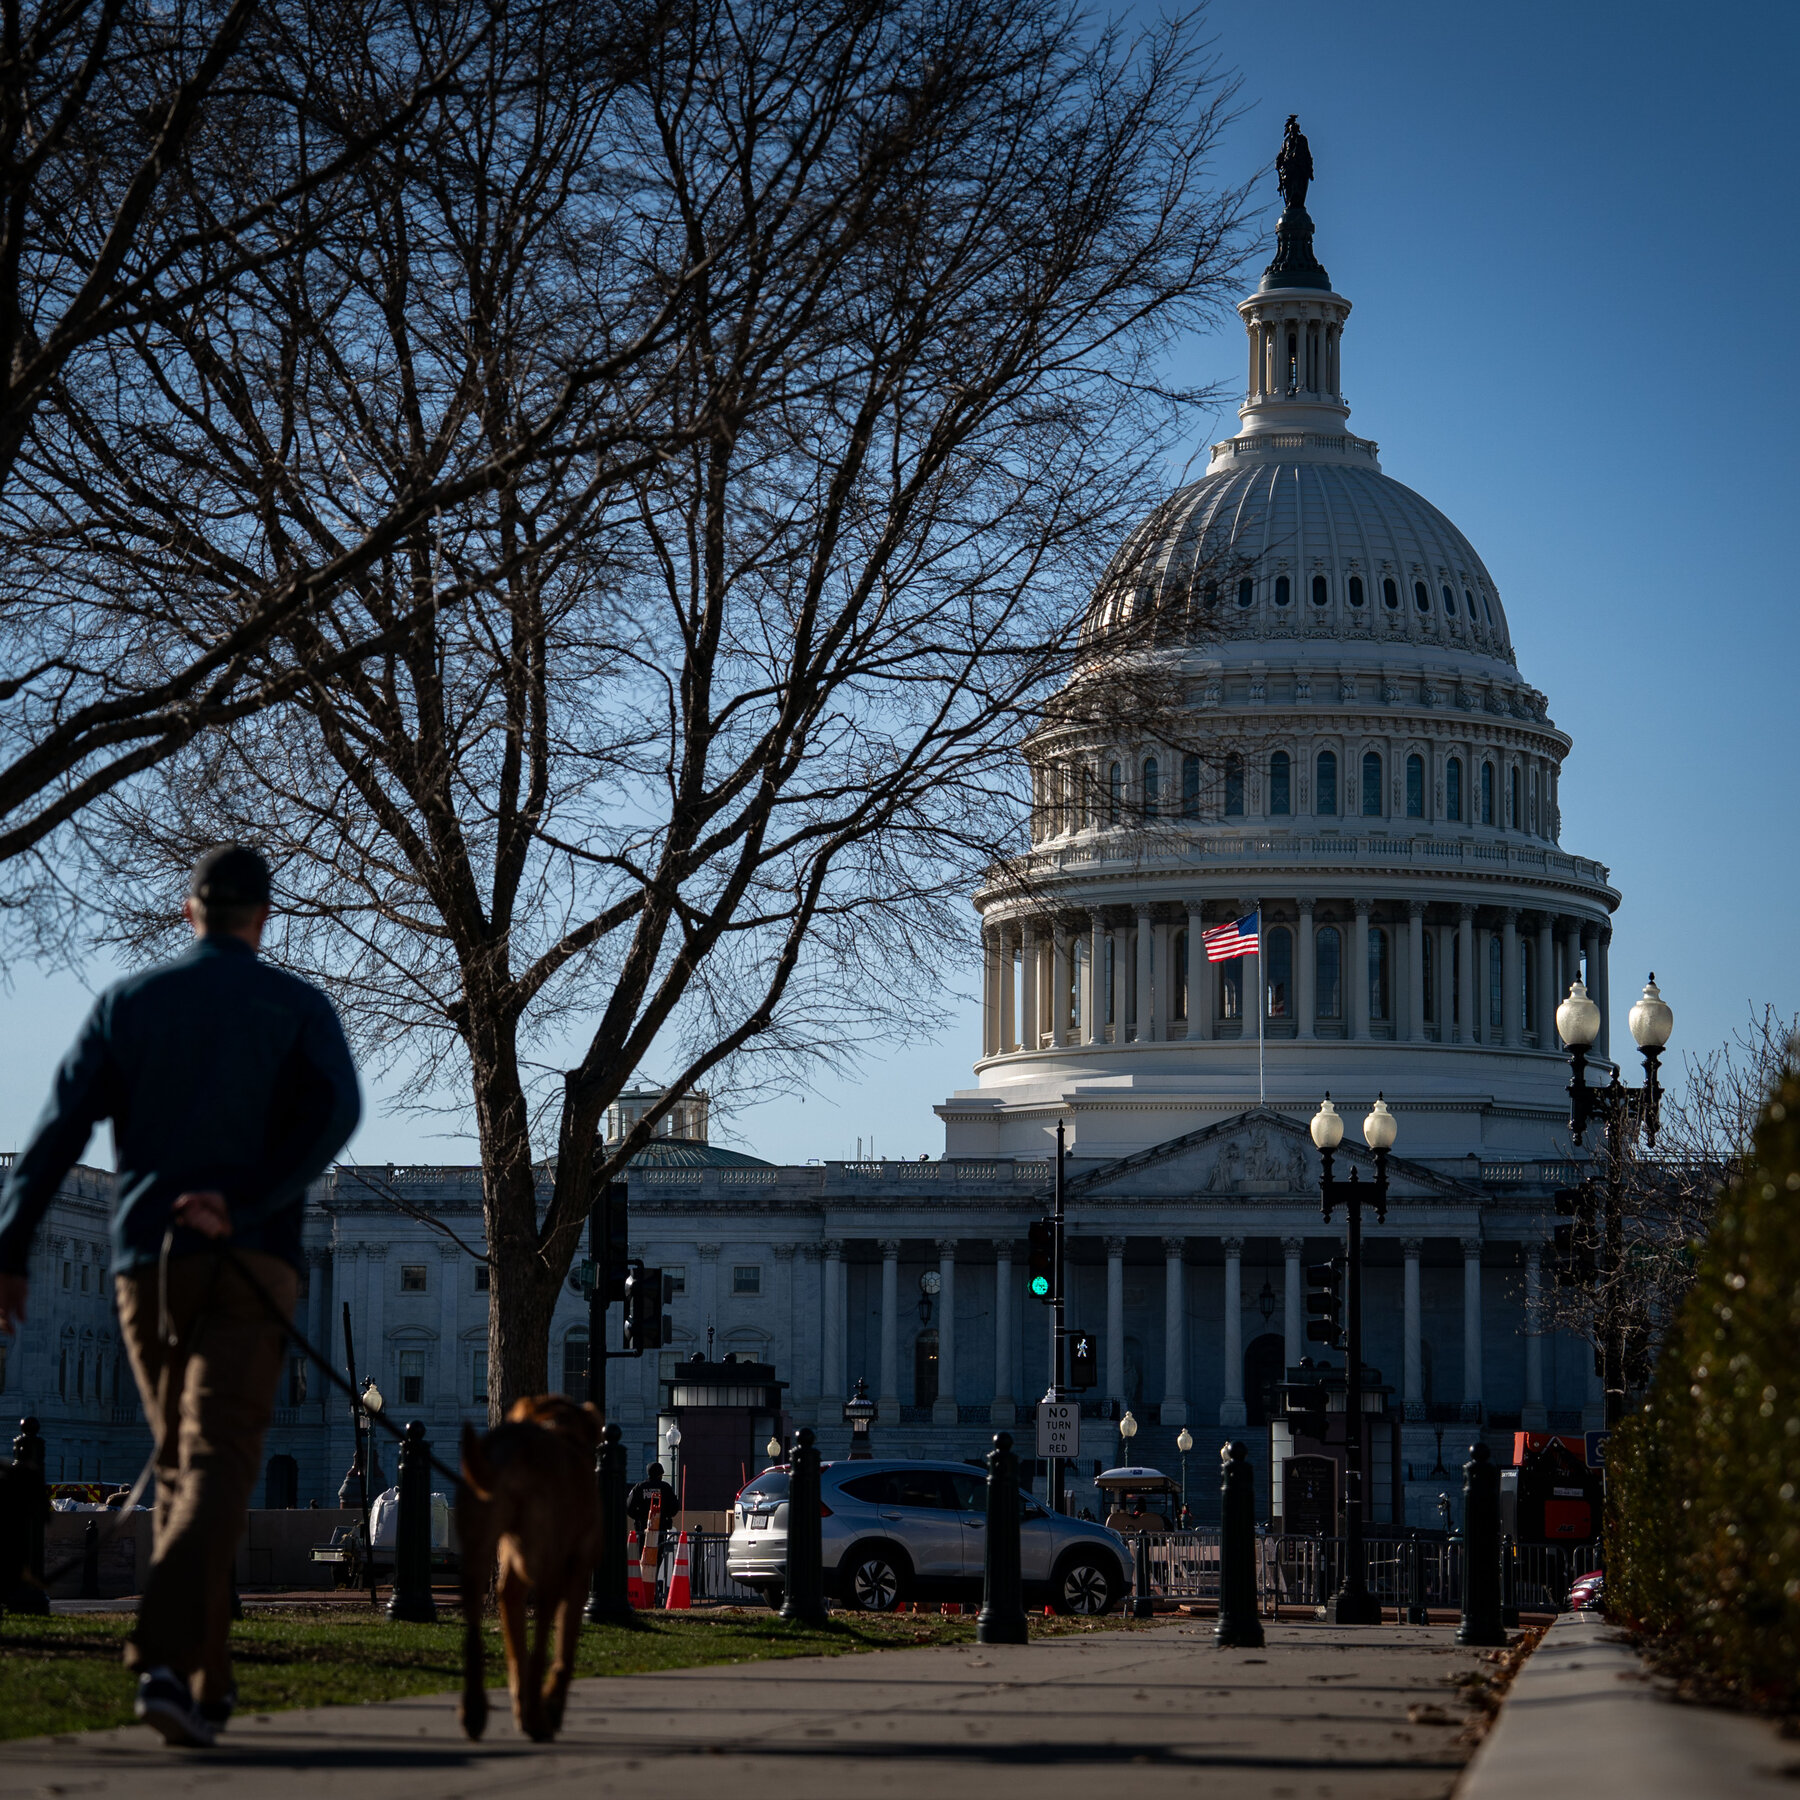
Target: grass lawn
(63,1673)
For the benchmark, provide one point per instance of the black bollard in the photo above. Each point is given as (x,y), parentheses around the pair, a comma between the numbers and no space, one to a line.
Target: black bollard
(608,1597)
(412,1599)
(23,1576)
(804,1603)
(1481,1551)
(1141,1604)
(1239,1627)
(1509,1577)
(1002,1618)
(90,1561)
(1416,1612)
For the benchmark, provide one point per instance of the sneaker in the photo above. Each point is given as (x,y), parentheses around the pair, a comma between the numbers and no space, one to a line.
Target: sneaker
(166,1703)
(217,1713)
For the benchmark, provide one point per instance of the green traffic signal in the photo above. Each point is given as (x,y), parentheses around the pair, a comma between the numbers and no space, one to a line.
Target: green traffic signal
(1040,1285)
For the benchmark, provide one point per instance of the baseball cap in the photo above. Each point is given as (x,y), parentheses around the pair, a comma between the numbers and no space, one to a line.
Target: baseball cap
(230,875)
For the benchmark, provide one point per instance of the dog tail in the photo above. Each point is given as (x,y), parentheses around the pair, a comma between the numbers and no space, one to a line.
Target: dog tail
(477,1476)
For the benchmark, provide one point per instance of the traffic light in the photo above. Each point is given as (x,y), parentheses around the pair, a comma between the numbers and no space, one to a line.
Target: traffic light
(1084,1360)
(1042,1276)
(1325,1303)
(1573,1257)
(646,1328)
(615,1240)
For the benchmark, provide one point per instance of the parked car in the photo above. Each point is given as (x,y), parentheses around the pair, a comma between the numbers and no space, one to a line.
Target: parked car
(1586,1591)
(898,1531)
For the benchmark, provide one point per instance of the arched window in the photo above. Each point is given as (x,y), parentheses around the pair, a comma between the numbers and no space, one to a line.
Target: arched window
(1380,977)
(1536,814)
(1231,988)
(1487,606)
(1234,786)
(1328,968)
(1449,602)
(1321,590)
(1115,793)
(1190,787)
(1178,974)
(1280,784)
(1371,784)
(1151,785)
(1513,795)
(1487,793)
(1528,986)
(1453,789)
(1281,590)
(1496,980)
(1469,602)
(1209,596)
(1325,792)
(1390,593)
(1415,787)
(1422,596)
(1356,590)
(1246,591)
(1279,944)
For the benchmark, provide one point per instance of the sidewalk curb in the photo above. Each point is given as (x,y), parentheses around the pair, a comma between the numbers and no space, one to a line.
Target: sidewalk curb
(1583,1717)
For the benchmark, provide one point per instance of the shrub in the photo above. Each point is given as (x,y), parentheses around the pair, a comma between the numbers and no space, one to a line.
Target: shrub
(1703,1525)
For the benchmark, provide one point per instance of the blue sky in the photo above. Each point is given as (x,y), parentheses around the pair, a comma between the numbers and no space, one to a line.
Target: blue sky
(1568,232)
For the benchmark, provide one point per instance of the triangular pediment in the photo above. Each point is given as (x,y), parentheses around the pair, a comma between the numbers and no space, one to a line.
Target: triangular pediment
(1254,1154)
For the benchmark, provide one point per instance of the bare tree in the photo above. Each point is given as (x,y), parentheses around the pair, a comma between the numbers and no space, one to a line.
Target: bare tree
(707,773)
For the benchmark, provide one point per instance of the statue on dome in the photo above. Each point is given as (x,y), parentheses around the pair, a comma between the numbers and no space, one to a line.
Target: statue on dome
(1294,165)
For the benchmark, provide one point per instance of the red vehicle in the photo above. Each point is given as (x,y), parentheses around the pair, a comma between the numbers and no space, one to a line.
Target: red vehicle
(1586,1591)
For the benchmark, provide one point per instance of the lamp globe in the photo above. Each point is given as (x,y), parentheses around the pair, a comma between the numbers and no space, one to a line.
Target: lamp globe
(1327,1126)
(1651,1020)
(1380,1127)
(1578,1018)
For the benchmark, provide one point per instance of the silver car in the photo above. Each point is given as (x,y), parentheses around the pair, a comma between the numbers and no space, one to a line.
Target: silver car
(898,1531)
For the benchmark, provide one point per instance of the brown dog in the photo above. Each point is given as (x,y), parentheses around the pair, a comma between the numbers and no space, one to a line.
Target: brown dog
(528,1495)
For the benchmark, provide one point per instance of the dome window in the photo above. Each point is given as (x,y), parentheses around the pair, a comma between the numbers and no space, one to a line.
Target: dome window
(1449,602)
(1280,784)
(1422,596)
(1321,590)
(1328,966)
(1152,785)
(1487,606)
(1356,590)
(1390,593)
(1282,590)
(1246,591)
(1371,785)
(1415,787)
(1513,818)
(1469,602)
(1190,787)
(1209,597)
(1234,786)
(1487,793)
(1115,793)
(1325,788)
(1453,789)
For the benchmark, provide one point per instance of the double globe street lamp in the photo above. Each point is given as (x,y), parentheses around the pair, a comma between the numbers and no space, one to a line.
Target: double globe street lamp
(1353,1604)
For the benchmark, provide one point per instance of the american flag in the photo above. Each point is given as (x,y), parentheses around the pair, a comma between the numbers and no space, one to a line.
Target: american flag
(1239,938)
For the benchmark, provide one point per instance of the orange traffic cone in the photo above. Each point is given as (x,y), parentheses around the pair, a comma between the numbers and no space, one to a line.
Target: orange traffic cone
(680,1598)
(652,1551)
(634,1577)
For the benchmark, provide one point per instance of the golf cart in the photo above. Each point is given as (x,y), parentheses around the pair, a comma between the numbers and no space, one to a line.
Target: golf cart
(1139,1499)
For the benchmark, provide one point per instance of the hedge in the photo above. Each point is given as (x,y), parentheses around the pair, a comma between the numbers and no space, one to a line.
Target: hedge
(1703,1502)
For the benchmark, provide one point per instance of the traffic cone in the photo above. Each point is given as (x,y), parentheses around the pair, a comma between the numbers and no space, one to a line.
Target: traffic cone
(652,1551)
(634,1577)
(680,1599)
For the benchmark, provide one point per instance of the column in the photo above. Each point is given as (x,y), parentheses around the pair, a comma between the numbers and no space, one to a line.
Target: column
(1009,1005)
(1465,971)
(1293,1304)
(1533,1417)
(990,992)
(831,1327)
(1305,970)
(1028,986)
(1162,985)
(1571,969)
(1115,1319)
(1413,1389)
(1603,999)
(372,1339)
(944,1412)
(1471,1249)
(1546,982)
(807,1326)
(1415,970)
(1004,1412)
(1060,1029)
(1511,994)
(887,1396)
(449,1274)
(1174,1404)
(709,1289)
(1356,977)
(1199,977)
(784,1352)
(1231,1408)
(1146,1024)
(1093,1002)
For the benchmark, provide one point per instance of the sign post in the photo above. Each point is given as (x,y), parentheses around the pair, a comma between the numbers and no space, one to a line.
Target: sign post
(1059,1429)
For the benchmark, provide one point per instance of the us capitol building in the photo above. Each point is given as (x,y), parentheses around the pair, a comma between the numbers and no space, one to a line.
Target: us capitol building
(1359,757)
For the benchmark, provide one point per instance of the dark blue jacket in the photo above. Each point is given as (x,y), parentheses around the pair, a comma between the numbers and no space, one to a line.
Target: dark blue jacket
(217,1071)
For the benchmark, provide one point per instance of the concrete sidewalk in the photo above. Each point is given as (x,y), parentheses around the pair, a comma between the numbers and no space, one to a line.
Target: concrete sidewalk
(1585,1718)
(1322,1712)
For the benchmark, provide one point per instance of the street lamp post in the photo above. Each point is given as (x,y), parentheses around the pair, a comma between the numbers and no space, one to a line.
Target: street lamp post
(1184,1443)
(1354,1604)
(1623,1112)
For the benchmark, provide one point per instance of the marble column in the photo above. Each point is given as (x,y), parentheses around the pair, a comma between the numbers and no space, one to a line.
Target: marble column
(1571,969)
(1293,1301)
(887,1396)
(1231,1408)
(1199,975)
(1533,1417)
(1603,999)
(1174,1405)
(831,1329)
(1471,1249)
(1413,1363)
(1305,972)
(784,1352)
(1465,973)
(1004,1411)
(709,1290)
(449,1274)
(1146,1022)
(1115,1319)
(1093,1002)
(806,1327)
(1512,993)
(372,1339)
(990,992)
(1060,955)
(1546,982)
(944,1412)
(1415,970)
(1356,977)
(1030,987)
(1009,1004)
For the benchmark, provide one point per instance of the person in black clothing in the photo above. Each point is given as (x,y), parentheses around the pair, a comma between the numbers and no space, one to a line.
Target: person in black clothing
(229,1087)
(637,1502)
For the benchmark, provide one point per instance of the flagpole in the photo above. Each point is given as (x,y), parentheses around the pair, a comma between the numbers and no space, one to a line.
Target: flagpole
(1262,1004)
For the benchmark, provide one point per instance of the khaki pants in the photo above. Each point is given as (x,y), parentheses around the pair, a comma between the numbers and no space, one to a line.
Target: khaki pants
(208,1400)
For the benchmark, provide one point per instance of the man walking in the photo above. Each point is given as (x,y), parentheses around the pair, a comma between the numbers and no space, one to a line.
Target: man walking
(229,1087)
